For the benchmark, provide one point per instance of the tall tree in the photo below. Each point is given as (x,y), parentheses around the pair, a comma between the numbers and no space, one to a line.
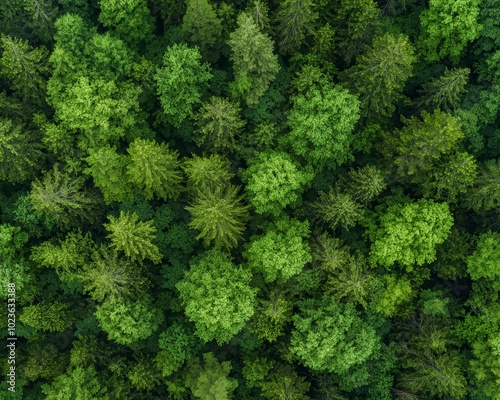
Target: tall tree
(295,21)
(63,198)
(24,66)
(447,26)
(133,237)
(181,81)
(220,216)
(218,124)
(380,74)
(254,64)
(485,193)
(76,382)
(154,169)
(337,209)
(206,173)
(321,122)
(202,27)
(217,296)
(446,91)
(355,24)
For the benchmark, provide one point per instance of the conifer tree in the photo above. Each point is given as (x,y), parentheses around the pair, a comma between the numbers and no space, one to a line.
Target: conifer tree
(295,21)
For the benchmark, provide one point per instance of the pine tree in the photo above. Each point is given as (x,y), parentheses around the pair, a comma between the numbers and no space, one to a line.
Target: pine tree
(154,169)
(219,215)
(295,21)
(446,91)
(133,237)
(254,64)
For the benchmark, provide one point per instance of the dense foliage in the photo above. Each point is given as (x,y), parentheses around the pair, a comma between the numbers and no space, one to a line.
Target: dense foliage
(251,199)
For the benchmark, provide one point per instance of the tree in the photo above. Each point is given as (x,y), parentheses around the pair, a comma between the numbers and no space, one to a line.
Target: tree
(254,64)
(408,234)
(271,315)
(181,82)
(217,296)
(259,11)
(446,91)
(24,66)
(219,215)
(63,198)
(484,262)
(208,173)
(380,74)
(133,237)
(281,252)
(274,181)
(79,382)
(295,21)
(485,193)
(364,184)
(107,168)
(108,275)
(96,111)
(41,14)
(210,381)
(127,321)
(329,336)
(218,123)
(154,169)
(130,18)
(20,152)
(418,147)
(202,28)
(337,209)
(49,315)
(321,123)
(355,24)
(447,26)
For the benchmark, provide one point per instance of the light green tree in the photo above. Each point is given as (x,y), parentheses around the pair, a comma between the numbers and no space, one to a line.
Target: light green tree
(127,321)
(133,237)
(206,173)
(79,382)
(364,184)
(49,315)
(254,64)
(181,81)
(321,122)
(337,209)
(217,296)
(485,261)
(274,181)
(282,251)
(220,216)
(154,169)
(107,169)
(130,18)
(408,234)
(209,380)
(447,26)
(330,336)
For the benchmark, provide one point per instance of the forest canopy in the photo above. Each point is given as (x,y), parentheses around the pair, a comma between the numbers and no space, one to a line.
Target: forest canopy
(250,199)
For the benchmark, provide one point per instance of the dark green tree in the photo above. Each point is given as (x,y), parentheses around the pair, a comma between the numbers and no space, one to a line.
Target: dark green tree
(202,27)
(254,64)
(295,21)
(380,74)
